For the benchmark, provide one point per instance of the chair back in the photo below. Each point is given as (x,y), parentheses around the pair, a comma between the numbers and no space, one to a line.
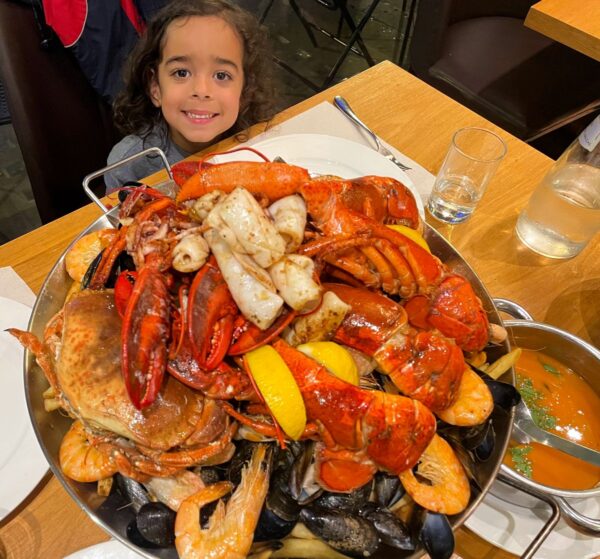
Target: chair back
(63,127)
(481,54)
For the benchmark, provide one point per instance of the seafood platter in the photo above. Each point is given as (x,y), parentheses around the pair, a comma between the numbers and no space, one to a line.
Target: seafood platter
(269,364)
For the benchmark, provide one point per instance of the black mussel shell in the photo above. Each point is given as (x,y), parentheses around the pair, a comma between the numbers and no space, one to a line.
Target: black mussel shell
(392,531)
(486,447)
(87,277)
(349,502)
(436,535)
(346,532)
(156,523)
(125,262)
(505,395)
(207,510)
(211,474)
(299,468)
(270,526)
(242,456)
(388,489)
(279,501)
(133,491)
(135,536)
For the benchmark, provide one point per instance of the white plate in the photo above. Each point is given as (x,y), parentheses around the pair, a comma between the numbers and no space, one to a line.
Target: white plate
(22,462)
(512,528)
(111,549)
(327,155)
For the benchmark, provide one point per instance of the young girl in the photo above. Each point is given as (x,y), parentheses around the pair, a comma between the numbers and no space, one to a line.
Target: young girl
(201,72)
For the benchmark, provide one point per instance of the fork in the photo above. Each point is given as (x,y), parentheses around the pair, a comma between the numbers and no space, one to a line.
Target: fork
(343,106)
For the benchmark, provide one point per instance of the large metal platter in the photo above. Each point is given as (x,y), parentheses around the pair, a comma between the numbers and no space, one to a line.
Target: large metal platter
(51,427)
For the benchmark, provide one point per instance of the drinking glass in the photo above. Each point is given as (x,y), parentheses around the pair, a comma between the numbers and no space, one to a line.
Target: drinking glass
(563,213)
(472,159)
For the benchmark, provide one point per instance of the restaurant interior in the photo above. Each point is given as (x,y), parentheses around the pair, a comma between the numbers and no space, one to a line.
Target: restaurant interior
(415,71)
(533,87)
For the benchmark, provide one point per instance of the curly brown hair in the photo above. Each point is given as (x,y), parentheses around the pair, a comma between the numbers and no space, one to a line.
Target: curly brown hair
(133,110)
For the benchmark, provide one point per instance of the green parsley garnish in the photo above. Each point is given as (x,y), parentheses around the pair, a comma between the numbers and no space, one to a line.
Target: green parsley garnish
(532,397)
(521,461)
(551,369)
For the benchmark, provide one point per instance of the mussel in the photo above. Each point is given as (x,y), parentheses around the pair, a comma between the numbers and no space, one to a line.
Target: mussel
(156,523)
(391,530)
(132,491)
(347,502)
(436,535)
(345,532)
(281,509)
(388,489)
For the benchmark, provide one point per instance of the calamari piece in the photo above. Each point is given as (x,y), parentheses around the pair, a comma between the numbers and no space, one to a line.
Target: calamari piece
(293,278)
(253,229)
(289,215)
(320,324)
(190,253)
(257,303)
(205,204)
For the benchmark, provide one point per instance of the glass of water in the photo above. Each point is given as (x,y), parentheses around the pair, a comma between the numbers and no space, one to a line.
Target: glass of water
(471,161)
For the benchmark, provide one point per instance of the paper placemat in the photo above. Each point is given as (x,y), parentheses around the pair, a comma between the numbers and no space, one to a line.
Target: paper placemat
(12,286)
(327,119)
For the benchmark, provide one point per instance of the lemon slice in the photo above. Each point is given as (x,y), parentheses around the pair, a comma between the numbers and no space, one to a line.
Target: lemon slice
(412,234)
(336,359)
(279,389)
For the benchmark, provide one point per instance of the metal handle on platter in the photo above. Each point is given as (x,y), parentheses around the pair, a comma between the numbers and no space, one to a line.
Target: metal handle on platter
(505,476)
(100,172)
(512,308)
(343,106)
(577,521)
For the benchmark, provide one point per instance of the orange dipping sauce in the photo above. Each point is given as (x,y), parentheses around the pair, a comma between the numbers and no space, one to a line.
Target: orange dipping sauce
(564,403)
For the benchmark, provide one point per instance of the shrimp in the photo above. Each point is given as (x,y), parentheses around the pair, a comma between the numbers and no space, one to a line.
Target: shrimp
(79,460)
(473,404)
(446,489)
(84,250)
(231,527)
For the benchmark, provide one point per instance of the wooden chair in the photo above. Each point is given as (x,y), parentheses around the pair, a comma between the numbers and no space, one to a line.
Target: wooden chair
(63,127)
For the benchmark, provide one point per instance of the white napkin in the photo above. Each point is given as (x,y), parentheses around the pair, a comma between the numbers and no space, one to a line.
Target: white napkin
(12,286)
(327,119)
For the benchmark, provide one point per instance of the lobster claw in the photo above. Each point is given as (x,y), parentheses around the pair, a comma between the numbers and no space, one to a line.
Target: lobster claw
(144,335)
(342,470)
(455,310)
(210,315)
(183,170)
(248,336)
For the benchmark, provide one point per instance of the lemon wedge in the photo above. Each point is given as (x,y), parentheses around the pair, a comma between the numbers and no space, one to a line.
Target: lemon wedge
(412,234)
(278,388)
(336,359)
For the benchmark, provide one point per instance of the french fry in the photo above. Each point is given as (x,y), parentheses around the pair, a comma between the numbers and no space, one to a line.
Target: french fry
(477,359)
(499,367)
(309,549)
(104,486)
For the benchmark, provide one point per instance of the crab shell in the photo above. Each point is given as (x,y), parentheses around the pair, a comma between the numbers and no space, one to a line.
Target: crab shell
(88,371)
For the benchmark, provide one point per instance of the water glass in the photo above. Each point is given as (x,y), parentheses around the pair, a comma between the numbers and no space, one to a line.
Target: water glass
(471,161)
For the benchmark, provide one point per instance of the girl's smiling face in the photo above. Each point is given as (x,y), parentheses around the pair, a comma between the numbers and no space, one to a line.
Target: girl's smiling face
(199,80)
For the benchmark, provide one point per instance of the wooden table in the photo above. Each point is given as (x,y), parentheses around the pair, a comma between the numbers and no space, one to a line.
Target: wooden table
(575,23)
(419,121)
